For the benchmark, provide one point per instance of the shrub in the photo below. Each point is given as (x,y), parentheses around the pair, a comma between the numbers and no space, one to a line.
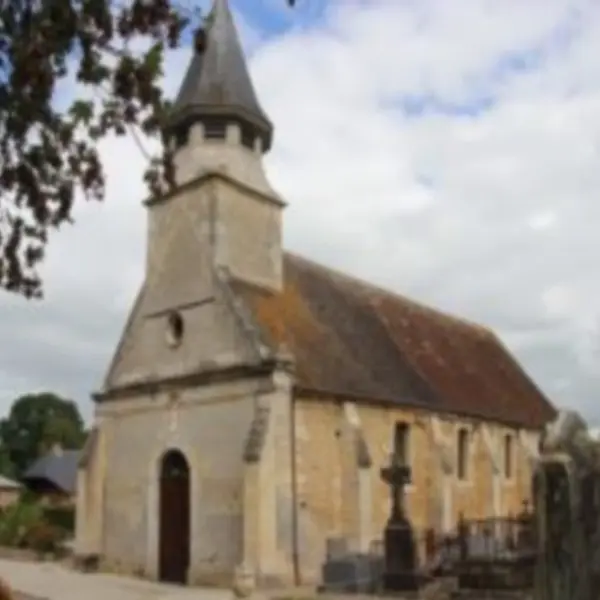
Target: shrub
(44,538)
(62,517)
(16,521)
(27,524)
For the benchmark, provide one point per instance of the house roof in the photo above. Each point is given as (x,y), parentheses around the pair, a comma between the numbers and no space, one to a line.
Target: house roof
(351,338)
(59,469)
(6,483)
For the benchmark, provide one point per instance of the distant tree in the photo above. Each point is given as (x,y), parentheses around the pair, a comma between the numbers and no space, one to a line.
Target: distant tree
(36,423)
(7,469)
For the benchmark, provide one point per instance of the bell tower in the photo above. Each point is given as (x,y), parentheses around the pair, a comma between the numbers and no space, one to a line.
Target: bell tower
(190,370)
(222,221)
(217,121)
(219,133)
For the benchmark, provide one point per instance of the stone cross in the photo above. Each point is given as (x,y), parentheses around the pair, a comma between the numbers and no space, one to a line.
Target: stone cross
(400,555)
(397,475)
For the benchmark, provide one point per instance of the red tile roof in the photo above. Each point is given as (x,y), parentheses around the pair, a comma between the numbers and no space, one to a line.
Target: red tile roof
(351,338)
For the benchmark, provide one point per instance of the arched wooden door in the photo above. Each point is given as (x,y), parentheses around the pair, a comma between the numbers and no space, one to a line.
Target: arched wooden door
(174,516)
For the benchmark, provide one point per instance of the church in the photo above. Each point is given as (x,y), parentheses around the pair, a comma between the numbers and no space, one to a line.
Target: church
(254,395)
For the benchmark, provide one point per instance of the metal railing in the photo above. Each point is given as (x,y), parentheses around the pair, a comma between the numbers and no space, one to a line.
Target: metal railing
(490,553)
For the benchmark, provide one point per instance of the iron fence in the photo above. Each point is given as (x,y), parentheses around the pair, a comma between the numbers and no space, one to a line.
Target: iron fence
(479,554)
(497,552)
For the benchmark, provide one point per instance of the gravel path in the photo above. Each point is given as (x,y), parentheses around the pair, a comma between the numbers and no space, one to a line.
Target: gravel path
(51,581)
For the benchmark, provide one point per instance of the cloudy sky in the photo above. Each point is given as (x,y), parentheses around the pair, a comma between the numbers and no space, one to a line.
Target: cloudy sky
(448,149)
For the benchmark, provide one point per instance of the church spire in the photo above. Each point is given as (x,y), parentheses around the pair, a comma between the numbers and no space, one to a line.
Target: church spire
(217,89)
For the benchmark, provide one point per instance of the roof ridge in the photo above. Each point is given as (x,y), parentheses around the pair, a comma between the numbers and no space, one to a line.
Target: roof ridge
(380,289)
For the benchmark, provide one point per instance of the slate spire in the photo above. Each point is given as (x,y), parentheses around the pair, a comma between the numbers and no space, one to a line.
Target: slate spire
(217,88)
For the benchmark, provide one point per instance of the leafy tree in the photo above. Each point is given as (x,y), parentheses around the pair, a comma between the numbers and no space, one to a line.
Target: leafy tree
(48,154)
(7,469)
(36,423)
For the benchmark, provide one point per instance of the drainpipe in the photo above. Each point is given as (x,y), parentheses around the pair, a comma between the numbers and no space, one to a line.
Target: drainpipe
(294,484)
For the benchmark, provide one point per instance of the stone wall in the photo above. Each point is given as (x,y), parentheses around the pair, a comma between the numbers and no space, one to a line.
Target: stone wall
(269,525)
(249,229)
(436,496)
(209,426)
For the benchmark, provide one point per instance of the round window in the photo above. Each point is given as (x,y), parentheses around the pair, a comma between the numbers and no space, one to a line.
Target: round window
(175,329)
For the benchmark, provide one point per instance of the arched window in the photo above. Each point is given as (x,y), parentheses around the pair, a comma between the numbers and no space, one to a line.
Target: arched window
(508,456)
(174,465)
(402,443)
(175,329)
(462,458)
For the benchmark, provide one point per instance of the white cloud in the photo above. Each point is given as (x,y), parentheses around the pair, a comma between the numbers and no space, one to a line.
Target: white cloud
(484,203)
(544,220)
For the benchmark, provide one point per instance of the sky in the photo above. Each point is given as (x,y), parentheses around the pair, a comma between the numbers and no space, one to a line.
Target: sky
(446,149)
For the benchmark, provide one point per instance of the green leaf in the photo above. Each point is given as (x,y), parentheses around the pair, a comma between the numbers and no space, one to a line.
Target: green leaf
(153,60)
(82,111)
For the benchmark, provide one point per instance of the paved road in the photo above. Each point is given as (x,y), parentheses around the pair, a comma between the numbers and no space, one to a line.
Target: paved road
(49,581)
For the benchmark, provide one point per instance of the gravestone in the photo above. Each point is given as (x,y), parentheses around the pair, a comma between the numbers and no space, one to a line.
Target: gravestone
(350,572)
(497,554)
(400,551)
(336,547)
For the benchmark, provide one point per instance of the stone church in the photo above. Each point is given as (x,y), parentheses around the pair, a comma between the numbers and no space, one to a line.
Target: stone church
(254,395)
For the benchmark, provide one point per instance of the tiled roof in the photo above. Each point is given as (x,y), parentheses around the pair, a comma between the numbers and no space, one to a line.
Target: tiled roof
(217,81)
(351,338)
(6,483)
(58,469)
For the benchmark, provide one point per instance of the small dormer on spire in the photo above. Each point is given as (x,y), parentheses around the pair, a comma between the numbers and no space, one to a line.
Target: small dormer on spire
(217,90)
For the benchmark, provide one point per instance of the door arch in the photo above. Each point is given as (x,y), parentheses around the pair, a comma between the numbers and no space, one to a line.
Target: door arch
(174,518)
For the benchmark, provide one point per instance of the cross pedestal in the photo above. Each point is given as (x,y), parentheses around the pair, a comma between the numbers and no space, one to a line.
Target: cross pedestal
(400,566)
